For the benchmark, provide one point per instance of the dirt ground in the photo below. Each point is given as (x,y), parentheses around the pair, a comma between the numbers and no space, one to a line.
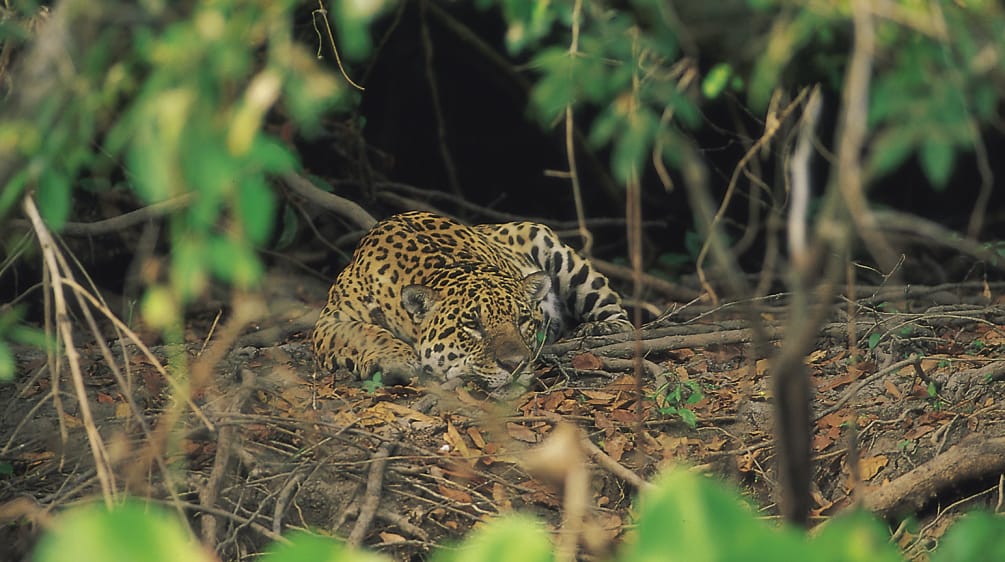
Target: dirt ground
(909,420)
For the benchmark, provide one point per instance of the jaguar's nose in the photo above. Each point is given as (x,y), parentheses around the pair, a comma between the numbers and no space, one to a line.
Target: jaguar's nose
(511,354)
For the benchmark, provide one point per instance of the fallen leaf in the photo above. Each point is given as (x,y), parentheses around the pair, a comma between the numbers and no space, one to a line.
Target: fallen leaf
(892,390)
(817,355)
(598,397)
(603,422)
(476,437)
(122,411)
(615,446)
(521,433)
(918,431)
(868,467)
(391,538)
(761,367)
(456,442)
(586,361)
(852,374)
(459,496)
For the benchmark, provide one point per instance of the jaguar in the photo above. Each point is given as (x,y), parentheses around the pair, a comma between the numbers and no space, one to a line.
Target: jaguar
(426,296)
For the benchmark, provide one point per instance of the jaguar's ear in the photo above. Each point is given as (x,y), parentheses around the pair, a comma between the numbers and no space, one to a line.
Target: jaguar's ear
(537,285)
(418,300)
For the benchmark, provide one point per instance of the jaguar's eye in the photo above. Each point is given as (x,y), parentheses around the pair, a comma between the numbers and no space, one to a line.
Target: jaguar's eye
(474,324)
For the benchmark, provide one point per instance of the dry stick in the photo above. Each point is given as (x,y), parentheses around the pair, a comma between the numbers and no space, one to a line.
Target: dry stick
(974,457)
(771,128)
(338,205)
(283,499)
(855,97)
(331,39)
(789,377)
(570,137)
(151,358)
(375,478)
(441,128)
(120,222)
(371,497)
(261,529)
(86,301)
(101,461)
(597,455)
(665,343)
(224,452)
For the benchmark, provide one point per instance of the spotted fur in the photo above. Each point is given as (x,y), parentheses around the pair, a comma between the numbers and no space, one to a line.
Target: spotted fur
(426,295)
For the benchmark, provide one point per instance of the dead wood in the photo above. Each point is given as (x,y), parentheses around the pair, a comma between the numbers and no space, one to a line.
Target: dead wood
(975,457)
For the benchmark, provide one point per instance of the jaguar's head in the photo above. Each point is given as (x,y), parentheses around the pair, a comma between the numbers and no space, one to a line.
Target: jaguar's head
(476,322)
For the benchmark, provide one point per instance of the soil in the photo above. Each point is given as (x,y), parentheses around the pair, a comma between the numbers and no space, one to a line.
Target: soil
(908,420)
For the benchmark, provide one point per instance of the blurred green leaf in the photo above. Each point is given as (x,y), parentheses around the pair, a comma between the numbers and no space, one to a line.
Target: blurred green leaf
(937,158)
(507,539)
(634,144)
(975,538)
(315,548)
(716,80)
(853,537)
(127,533)
(889,150)
(256,206)
(6,362)
(54,197)
(688,517)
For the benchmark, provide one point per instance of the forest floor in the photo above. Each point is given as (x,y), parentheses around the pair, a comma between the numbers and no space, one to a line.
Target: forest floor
(908,419)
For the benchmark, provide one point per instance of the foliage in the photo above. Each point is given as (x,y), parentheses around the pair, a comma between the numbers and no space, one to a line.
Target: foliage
(673,398)
(131,531)
(181,102)
(935,73)
(684,517)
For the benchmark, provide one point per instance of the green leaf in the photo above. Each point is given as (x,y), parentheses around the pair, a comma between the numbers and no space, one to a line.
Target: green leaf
(305,546)
(634,144)
(687,416)
(126,533)
(54,197)
(256,205)
(510,538)
(853,537)
(874,339)
(975,538)
(6,363)
(716,80)
(937,162)
(272,156)
(687,517)
(890,149)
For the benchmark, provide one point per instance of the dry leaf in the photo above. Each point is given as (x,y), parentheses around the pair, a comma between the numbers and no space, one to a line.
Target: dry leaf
(465,397)
(851,375)
(821,441)
(521,433)
(476,437)
(815,356)
(918,431)
(892,390)
(615,446)
(868,467)
(598,397)
(122,411)
(391,538)
(456,442)
(586,361)
(761,367)
(459,496)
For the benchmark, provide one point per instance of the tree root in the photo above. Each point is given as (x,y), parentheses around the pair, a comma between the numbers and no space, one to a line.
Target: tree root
(974,457)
